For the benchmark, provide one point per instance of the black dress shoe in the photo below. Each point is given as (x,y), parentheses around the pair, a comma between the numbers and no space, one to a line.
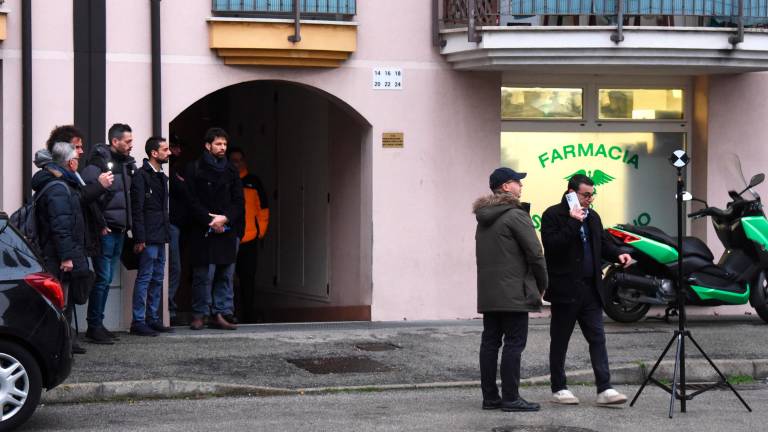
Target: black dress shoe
(160,328)
(96,335)
(491,404)
(110,334)
(77,349)
(519,405)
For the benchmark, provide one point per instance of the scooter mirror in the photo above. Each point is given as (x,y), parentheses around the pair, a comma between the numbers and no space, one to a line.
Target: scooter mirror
(756,180)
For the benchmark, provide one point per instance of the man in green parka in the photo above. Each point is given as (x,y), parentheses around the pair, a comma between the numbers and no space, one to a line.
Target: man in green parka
(511,276)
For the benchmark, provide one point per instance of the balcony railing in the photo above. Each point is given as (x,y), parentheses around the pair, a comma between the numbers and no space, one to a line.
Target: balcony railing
(310,9)
(619,13)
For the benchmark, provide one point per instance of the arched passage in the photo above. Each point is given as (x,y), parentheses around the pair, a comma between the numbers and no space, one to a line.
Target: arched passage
(311,152)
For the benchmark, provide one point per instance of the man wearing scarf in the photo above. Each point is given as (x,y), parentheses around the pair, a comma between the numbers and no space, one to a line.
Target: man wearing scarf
(216,209)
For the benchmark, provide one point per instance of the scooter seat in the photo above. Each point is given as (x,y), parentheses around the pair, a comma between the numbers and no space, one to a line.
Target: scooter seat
(692,246)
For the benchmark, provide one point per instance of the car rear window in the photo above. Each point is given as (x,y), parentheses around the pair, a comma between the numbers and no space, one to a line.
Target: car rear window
(16,258)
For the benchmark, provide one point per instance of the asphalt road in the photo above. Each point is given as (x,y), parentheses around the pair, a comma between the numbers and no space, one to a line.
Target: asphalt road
(426,410)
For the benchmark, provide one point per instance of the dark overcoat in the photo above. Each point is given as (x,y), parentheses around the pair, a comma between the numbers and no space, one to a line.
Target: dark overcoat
(564,251)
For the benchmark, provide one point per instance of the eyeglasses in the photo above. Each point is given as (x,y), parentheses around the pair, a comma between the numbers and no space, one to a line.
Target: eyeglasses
(587,195)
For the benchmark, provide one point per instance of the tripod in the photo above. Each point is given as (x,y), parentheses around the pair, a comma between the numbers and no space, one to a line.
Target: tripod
(679,159)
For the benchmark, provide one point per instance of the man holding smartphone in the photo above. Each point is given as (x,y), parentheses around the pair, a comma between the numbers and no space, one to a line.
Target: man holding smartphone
(574,245)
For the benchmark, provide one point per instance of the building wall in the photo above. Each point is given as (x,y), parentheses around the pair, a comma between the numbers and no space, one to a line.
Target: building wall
(52,74)
(423,249)
(737,113)
(422,261)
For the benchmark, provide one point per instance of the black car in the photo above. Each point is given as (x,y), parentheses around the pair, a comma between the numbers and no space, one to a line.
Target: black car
(35,339)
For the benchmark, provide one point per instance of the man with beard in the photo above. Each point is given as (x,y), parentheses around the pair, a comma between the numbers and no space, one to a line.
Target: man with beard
(216,208)
(115,206)
(151,232)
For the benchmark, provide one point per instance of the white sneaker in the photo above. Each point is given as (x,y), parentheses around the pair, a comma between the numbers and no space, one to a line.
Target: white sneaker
(565,397)
(611,397)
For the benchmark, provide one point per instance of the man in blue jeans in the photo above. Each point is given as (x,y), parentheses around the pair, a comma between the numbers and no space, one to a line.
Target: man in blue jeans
(151,232)
(115,206)
(216,209)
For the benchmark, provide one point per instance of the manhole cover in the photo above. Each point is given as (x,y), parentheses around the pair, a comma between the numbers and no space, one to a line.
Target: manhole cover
(522,428)
(339,365)
(376,346)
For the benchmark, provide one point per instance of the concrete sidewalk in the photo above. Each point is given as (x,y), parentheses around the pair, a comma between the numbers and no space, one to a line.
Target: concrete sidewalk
(279,359)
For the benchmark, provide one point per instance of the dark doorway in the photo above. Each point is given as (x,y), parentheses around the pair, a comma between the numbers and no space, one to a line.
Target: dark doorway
(312,155)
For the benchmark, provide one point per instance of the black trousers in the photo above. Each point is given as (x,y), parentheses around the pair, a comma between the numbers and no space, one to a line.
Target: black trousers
(247,263)
(588,312)
(512,328)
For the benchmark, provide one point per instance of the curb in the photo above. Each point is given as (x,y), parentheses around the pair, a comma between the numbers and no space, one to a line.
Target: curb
(696,371)
(152,389)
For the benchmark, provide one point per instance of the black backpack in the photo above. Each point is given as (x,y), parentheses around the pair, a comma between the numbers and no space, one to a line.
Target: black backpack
(25,218)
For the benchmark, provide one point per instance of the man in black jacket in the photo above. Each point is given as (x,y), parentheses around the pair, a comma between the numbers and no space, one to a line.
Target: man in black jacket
(151,232)
(61,222)
(216,208)
(177,208)
(574,245)
(115,206)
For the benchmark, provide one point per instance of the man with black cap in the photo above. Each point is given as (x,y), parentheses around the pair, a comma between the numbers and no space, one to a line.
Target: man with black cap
(511,276)
(574,244)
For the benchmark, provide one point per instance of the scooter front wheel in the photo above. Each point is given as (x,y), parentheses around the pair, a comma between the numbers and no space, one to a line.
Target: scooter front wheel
(758,296)
(619,309)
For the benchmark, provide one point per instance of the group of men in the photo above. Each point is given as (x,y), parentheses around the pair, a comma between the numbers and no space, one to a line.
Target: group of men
(513,271)
(86,214)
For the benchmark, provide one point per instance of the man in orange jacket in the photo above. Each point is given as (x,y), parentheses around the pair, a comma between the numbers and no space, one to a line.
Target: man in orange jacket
(256,225)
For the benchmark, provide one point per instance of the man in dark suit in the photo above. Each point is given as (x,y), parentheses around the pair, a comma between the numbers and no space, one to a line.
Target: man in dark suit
(574,244)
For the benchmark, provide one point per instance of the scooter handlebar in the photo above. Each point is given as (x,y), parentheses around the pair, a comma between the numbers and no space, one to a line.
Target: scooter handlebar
(710,211)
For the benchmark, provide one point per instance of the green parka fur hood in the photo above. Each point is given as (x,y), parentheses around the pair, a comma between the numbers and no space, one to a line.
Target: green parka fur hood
(511,270)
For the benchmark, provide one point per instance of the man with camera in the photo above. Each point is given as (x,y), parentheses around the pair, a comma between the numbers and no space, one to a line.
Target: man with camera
(574,244)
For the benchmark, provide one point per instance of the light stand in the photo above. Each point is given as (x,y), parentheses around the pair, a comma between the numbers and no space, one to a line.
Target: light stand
(679,160)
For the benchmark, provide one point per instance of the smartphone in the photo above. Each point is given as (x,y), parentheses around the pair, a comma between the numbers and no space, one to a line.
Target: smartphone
(573,200)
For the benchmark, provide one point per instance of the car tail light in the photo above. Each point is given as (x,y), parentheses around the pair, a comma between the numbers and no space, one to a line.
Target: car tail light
(621,235)
(48,286)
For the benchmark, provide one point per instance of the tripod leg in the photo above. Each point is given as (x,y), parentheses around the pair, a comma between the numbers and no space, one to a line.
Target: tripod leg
(725,380)
(655,366)
(674,375)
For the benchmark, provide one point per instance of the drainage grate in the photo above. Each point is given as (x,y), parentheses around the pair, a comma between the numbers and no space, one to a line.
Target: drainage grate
(523,428)
(339,365)
(377,346)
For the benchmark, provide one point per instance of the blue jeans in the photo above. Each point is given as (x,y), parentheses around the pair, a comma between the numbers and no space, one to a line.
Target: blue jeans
(174,268)
(104,266)
(218,277)
(148,289)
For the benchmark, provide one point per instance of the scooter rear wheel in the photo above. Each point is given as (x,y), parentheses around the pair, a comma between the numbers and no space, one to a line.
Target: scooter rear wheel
(619,309)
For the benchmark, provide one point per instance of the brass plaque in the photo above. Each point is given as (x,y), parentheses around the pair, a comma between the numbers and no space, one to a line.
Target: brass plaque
(392,139)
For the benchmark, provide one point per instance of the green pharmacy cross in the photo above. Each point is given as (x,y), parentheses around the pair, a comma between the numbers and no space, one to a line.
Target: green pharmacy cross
(598,177)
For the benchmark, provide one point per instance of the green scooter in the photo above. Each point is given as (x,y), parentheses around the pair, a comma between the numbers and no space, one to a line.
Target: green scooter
(737,278)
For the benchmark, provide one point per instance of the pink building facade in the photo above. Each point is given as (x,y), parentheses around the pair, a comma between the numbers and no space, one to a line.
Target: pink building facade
(371,187)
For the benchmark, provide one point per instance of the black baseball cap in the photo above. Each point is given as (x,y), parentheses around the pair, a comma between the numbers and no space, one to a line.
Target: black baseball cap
(499,176)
